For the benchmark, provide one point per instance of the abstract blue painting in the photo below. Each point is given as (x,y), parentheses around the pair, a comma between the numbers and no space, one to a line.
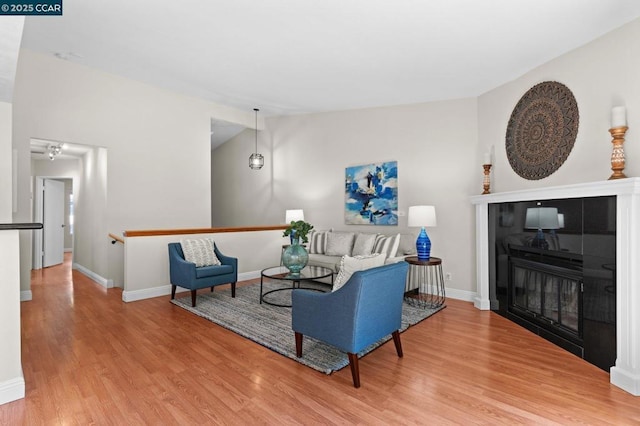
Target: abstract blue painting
(371,194)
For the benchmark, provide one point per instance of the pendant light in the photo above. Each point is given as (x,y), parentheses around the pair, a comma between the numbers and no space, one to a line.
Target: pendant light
(256,161)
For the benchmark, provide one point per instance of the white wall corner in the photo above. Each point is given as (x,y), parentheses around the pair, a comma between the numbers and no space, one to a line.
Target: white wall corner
(12,390)
(104,282)
(26,295)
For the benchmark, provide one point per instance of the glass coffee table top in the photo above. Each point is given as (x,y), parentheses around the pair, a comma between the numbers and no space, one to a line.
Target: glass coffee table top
(283,274)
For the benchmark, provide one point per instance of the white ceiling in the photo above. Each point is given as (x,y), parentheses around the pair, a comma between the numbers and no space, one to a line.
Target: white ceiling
(302,56)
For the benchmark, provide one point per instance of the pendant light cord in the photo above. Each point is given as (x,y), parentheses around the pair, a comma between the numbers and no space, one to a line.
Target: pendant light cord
(256,110)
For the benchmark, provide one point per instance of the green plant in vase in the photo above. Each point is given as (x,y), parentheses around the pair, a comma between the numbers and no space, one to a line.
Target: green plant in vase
(295,257)
(298,230)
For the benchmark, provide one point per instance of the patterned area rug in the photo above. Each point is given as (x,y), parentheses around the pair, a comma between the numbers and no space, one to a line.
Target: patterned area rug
(270,326)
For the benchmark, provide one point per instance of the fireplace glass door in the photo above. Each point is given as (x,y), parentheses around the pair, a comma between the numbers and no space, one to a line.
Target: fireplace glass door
(549,295)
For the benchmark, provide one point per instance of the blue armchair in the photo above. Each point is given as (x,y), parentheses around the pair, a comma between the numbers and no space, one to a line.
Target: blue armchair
(185,274)
(366,309)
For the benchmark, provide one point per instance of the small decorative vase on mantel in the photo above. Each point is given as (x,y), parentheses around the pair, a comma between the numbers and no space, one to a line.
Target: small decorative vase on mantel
(295,257)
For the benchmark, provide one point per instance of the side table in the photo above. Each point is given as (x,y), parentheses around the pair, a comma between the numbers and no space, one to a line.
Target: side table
(430,280)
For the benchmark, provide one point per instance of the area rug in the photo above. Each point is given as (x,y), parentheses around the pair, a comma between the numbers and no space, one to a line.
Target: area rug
(270,326)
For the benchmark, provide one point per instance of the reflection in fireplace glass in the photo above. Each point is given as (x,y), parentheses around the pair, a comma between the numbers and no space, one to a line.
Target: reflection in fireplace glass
(547,296)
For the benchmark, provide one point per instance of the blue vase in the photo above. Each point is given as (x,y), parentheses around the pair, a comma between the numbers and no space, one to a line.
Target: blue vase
(295,257)
(423,245)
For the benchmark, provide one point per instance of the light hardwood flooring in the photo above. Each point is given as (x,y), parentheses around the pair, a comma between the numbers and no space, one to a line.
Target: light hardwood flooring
(90,358)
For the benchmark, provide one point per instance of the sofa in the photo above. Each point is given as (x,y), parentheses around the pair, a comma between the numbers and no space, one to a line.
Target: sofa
(326,248)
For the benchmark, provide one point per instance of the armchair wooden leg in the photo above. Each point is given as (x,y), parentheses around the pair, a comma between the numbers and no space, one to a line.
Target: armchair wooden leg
(193,298)
(173,291)
(355,369)
(233,289)
(298,344)
(212,289)
(396,341)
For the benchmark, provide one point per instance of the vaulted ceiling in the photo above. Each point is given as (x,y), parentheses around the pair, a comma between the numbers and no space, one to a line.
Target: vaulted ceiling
(302,56)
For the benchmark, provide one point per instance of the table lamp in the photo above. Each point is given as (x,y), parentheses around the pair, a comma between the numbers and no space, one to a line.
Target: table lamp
(541,218)
(422,216)
(293,216)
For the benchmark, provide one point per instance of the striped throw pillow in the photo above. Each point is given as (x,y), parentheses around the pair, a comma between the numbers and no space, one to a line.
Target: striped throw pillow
(387,245)
(200,252)
(317,242)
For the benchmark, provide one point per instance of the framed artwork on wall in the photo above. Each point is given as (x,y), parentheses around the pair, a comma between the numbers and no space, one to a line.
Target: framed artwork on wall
(371,194)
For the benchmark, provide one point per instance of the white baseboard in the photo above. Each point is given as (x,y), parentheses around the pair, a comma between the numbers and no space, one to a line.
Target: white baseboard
(625,380)
(467,296)
(244,276)
(104,282)
(12,390)
(148,293)
(26,295)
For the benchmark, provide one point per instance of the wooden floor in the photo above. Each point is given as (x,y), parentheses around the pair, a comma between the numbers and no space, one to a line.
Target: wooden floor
(90,358)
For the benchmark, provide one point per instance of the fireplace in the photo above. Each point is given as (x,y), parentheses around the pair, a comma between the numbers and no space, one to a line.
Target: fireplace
(546,253)
(581,291)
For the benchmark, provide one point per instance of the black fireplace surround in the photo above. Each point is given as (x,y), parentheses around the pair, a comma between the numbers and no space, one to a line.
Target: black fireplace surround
(553,272)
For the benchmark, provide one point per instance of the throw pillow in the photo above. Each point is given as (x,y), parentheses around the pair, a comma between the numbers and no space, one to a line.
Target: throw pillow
(387,245)
(349,265)
(317,241)
(363,246)
(339,243)
(199,252)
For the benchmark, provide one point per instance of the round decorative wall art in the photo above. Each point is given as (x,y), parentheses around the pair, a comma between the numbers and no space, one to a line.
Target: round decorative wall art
(542,130)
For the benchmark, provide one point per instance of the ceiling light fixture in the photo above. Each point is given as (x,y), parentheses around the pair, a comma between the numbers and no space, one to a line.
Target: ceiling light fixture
(256,161)
(54,150)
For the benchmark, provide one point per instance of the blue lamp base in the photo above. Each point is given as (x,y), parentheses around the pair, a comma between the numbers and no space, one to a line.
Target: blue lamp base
(423,245)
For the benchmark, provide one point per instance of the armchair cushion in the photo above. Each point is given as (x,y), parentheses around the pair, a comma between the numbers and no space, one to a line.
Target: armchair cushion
(213,270)
(200,252)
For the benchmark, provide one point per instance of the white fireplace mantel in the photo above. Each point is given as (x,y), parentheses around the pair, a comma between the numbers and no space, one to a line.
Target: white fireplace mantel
(626,372)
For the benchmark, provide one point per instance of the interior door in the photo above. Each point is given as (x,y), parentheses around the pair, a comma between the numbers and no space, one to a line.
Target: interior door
(53,223)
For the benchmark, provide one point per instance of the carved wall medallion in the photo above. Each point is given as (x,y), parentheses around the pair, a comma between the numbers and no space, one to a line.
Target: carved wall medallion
(542,130)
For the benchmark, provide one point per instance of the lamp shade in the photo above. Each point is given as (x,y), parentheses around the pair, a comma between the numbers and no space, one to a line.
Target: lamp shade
(293,216)
(560,220)
(542,218)
(422,216)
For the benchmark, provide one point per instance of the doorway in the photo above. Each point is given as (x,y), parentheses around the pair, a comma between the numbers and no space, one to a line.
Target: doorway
(51,207)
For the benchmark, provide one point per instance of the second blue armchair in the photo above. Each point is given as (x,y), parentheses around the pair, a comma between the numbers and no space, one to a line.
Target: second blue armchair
(185,274)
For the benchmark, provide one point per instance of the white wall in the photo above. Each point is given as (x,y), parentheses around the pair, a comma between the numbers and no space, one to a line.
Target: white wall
(157,142)
(305,160)
(11,379)
(12,384)
(601,74)
(5,163)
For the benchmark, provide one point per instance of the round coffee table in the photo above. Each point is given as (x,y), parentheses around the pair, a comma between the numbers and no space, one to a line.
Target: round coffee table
(283,274)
